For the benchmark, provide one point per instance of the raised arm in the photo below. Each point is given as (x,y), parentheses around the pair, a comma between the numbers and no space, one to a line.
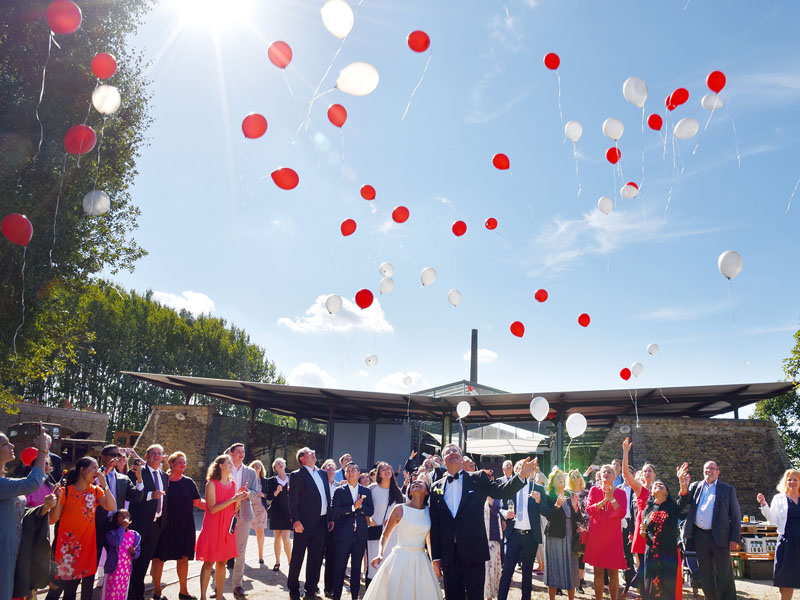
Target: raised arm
(629,479)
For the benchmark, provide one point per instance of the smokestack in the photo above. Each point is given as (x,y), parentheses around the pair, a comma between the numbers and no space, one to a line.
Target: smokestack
(473,362)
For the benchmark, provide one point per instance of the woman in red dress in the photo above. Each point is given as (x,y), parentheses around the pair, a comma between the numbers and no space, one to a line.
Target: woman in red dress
(217,540)
(606,508)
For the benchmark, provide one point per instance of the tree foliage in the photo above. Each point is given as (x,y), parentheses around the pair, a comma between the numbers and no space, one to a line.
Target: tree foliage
(132,332)
(47,185)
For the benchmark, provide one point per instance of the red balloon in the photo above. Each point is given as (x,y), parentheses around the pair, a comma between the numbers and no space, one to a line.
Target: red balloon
(459,228)
(337,114)
(418,41)
(500,161)
(551,61)
(254,126)
(670,104)
(716,81)
(280,54)
(540,295)
(63,16)
(28,456)
(517,328)
(348,227)
(364,298)
(285,178)
(584,320)
(367,192)
(17,229)
(470,388)
(655,122)
(104,65)
(625,373)
(491,223)
(613,155)
(633,183)
(679,96)
(79,139)
(400,214)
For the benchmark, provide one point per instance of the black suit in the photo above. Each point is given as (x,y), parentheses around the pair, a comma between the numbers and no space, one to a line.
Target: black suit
(305,505)
(522,544)
(713,545)
(460,542)
(349,536)
(143,521)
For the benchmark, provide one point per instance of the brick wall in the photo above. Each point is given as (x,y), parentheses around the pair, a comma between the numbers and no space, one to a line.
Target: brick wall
(71,420)
(749,453)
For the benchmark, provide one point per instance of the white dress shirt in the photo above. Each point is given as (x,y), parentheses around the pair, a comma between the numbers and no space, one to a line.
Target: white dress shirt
(704,516)
(353,492)
(237,476)
(318,482)
(452,492)
(523,520)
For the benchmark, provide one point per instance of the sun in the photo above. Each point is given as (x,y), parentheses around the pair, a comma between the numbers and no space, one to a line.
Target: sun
(215,16)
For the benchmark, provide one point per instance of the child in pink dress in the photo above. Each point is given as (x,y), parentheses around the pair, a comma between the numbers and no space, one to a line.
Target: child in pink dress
(122,548)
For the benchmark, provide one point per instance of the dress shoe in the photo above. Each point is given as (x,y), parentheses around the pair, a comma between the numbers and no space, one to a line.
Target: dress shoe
(238,593)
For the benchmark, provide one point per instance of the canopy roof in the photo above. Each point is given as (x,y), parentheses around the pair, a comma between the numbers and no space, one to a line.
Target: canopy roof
(600,407)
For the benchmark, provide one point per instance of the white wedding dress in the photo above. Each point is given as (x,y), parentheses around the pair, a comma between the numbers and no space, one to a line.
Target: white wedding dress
(407,573)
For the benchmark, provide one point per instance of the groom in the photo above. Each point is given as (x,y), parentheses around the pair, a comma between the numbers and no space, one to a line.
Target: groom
(459,546)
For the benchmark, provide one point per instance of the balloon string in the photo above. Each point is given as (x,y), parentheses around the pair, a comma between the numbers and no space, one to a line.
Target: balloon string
(419,83)
(730,299)
(319,85)
(641,183)
(55,215)
(286,79)
(700,138)
(660,391)
(99,146)
(735,136)
(524,193)
(560,112)
(788,206)
(635,402)
(674,176)
(51,40)
(14,340)
(341,135)
(577,173)
(338,348)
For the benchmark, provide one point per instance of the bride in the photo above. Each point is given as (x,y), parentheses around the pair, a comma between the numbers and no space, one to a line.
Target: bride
(407,573)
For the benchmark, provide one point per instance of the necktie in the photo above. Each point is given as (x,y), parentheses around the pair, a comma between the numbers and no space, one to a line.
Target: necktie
(522,500)
(157,483)
(112,483)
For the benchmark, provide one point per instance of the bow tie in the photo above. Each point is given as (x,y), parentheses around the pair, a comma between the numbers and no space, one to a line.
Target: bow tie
(450,478)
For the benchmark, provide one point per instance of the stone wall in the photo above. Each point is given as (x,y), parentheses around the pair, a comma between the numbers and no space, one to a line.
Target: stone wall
(202,435)
(750,454)
(89,425)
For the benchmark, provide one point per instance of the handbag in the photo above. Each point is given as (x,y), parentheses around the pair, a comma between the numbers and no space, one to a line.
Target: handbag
(374,532)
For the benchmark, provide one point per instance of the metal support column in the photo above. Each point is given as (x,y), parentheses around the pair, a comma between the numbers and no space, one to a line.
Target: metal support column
(371,446)
(446,430)
(329,433)
(251,433)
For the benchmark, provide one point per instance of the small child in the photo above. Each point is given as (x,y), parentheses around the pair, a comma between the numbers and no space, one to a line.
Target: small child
(122,548)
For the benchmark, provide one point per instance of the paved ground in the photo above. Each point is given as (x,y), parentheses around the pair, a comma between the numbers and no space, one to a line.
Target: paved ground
(261,583)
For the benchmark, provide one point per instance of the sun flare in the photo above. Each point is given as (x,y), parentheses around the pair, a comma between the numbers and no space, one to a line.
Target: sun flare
(214,15)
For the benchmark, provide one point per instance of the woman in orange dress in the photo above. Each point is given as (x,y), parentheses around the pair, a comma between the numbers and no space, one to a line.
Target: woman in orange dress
(217,540)
(76,546)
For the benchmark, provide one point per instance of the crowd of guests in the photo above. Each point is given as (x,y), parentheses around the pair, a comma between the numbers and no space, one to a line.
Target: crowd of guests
(449,525)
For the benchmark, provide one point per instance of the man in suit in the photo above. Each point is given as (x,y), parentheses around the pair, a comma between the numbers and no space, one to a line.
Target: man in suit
(714,522)
(508,474)
(246,477)
(459,547)
(329,547)
(350,506)
(149,516)
(524,534)
(344,460)
(309,499)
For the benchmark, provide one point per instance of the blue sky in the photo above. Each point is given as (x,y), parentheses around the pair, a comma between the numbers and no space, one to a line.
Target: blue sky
(223,238)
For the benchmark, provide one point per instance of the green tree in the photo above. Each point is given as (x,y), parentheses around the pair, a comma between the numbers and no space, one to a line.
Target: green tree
(785,410)
(48,185)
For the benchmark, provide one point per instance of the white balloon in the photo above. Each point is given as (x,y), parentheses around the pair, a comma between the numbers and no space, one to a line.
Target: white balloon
(605,204)
(462,409)
(96,203)
(338,17)
(106,99)
(386,285)
(730,263)
(576,425)
(628,191)
(635,91)
(637,368)
(427,276)
(573,130)
(711,102)
(454,297)
(358,79)
(613,129)
(333,303)
(371,360)
(686,128)
(652,349)
(407,380)
(540,407)
(386,269)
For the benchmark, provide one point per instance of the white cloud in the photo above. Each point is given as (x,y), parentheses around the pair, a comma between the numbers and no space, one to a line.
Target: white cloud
(196,303)
(484,356)
(444,200)
(765,89)
(682,313)
(311,375)
(394,383)
(316,319)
